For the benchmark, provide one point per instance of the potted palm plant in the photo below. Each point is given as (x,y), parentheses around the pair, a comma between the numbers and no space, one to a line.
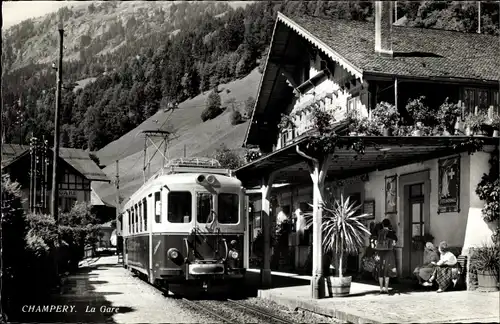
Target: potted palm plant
(343,234)
(487,264)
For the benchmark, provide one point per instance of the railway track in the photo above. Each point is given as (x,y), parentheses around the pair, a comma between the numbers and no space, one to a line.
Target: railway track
(232,311)
(260,312)
(206,310)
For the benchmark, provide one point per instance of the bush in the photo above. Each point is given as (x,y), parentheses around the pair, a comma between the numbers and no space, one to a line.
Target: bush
(235,117)
(13,254)
(213,108)
(228,158)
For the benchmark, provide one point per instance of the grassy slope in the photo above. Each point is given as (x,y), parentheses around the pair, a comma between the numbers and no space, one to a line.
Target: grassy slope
(199,139)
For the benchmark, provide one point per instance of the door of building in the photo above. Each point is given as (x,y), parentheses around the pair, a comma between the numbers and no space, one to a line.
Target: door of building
(416,224)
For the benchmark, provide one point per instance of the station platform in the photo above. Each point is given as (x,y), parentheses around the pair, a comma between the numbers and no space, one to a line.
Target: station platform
(365,305)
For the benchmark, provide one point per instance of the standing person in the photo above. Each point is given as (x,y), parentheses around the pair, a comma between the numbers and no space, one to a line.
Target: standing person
(386,240)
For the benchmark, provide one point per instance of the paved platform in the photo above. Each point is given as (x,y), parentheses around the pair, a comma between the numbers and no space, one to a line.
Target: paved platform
(365,305)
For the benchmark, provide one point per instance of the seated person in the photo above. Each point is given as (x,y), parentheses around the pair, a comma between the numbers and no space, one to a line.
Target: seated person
(431,257)
(443,272)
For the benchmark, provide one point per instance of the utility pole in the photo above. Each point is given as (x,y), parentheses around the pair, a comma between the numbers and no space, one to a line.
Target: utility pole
(55,186)
(119,222)
(479,17)
(54,201)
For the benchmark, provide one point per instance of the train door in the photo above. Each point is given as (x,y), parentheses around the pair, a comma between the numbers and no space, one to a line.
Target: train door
(148,216)
(245,218)
(128,226)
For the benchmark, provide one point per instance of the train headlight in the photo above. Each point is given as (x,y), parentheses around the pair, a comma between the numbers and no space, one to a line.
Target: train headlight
(234,255)
(173,254)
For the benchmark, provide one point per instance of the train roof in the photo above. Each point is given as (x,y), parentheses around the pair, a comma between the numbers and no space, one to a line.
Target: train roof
(185,171)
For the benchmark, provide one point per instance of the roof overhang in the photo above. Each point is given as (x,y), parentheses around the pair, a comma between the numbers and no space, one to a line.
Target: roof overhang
(273,68)
(377,76)
(381,153)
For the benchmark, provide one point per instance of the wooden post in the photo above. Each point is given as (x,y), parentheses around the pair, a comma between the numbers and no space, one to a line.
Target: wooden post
(265,272)
(318,170)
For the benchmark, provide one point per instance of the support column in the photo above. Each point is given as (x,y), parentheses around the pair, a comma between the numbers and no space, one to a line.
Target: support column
(265,271)
(318,170)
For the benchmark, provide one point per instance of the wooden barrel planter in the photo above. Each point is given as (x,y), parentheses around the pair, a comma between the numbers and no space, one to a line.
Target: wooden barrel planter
(341,286)
(487,281)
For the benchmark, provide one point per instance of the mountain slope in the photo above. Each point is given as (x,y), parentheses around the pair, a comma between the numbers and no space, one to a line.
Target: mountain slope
(193,136)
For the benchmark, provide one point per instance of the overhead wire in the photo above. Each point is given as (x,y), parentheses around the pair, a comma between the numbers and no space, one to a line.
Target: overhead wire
(171,110)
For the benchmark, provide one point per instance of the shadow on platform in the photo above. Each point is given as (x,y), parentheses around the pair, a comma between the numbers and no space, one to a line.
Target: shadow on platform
(76,302)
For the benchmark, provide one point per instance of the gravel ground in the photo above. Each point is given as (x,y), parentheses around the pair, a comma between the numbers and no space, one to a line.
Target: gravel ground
(298,316)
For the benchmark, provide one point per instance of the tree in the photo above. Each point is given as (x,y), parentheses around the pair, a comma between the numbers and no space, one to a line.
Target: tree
(228,158)
(213,108)
(249,105)
(235,117)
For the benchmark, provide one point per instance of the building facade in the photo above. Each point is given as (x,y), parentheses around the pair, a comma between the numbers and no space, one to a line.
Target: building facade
(422,184)
(32,169)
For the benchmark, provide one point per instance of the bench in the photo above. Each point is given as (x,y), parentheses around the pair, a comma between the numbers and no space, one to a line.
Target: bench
(460,273)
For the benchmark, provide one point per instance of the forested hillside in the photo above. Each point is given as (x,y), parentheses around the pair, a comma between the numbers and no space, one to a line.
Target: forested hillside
(146,56)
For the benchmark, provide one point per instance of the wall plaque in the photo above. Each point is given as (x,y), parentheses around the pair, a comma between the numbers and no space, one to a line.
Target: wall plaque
(449,185)
(391,195)
(369,208)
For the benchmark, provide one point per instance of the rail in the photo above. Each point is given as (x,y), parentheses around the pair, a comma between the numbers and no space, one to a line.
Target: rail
(259,312)
(206,310)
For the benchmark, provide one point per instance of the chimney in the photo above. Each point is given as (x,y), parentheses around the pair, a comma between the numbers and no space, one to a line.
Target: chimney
(383,28)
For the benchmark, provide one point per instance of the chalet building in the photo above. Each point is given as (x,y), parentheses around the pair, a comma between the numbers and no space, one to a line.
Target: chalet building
(423,184)
(76,173)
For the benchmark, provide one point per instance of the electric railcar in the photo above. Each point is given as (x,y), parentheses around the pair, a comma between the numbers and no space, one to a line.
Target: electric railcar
(188,225)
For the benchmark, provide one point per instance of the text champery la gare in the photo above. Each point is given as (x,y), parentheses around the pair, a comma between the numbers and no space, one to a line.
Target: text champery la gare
(48,309)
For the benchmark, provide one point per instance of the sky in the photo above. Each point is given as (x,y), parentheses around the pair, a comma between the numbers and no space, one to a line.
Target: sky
(14,12)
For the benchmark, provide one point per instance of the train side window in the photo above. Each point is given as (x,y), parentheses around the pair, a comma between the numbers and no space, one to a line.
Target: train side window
(132,229)
(139,207)
(203,207)
(129,221)
(157,207)
(228,209)
(145,212)
(136,219)
(179,207)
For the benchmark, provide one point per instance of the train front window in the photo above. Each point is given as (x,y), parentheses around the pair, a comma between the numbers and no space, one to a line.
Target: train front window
(228,208)
(179,207)
(204,205)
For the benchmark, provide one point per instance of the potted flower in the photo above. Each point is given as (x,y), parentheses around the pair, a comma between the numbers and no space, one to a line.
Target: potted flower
(387,116)
(487,264)
(286,122)
(495,123)
(343,234)
(418,241)
(475,124)
(447,116)
(421,114)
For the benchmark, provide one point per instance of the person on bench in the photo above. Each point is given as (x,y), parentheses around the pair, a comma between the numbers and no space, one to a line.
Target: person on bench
(431,257)
(443,273)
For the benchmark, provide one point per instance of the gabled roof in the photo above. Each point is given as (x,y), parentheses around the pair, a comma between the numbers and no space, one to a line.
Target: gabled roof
(78,159)
(81,161)
(419,52)
(11,152)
